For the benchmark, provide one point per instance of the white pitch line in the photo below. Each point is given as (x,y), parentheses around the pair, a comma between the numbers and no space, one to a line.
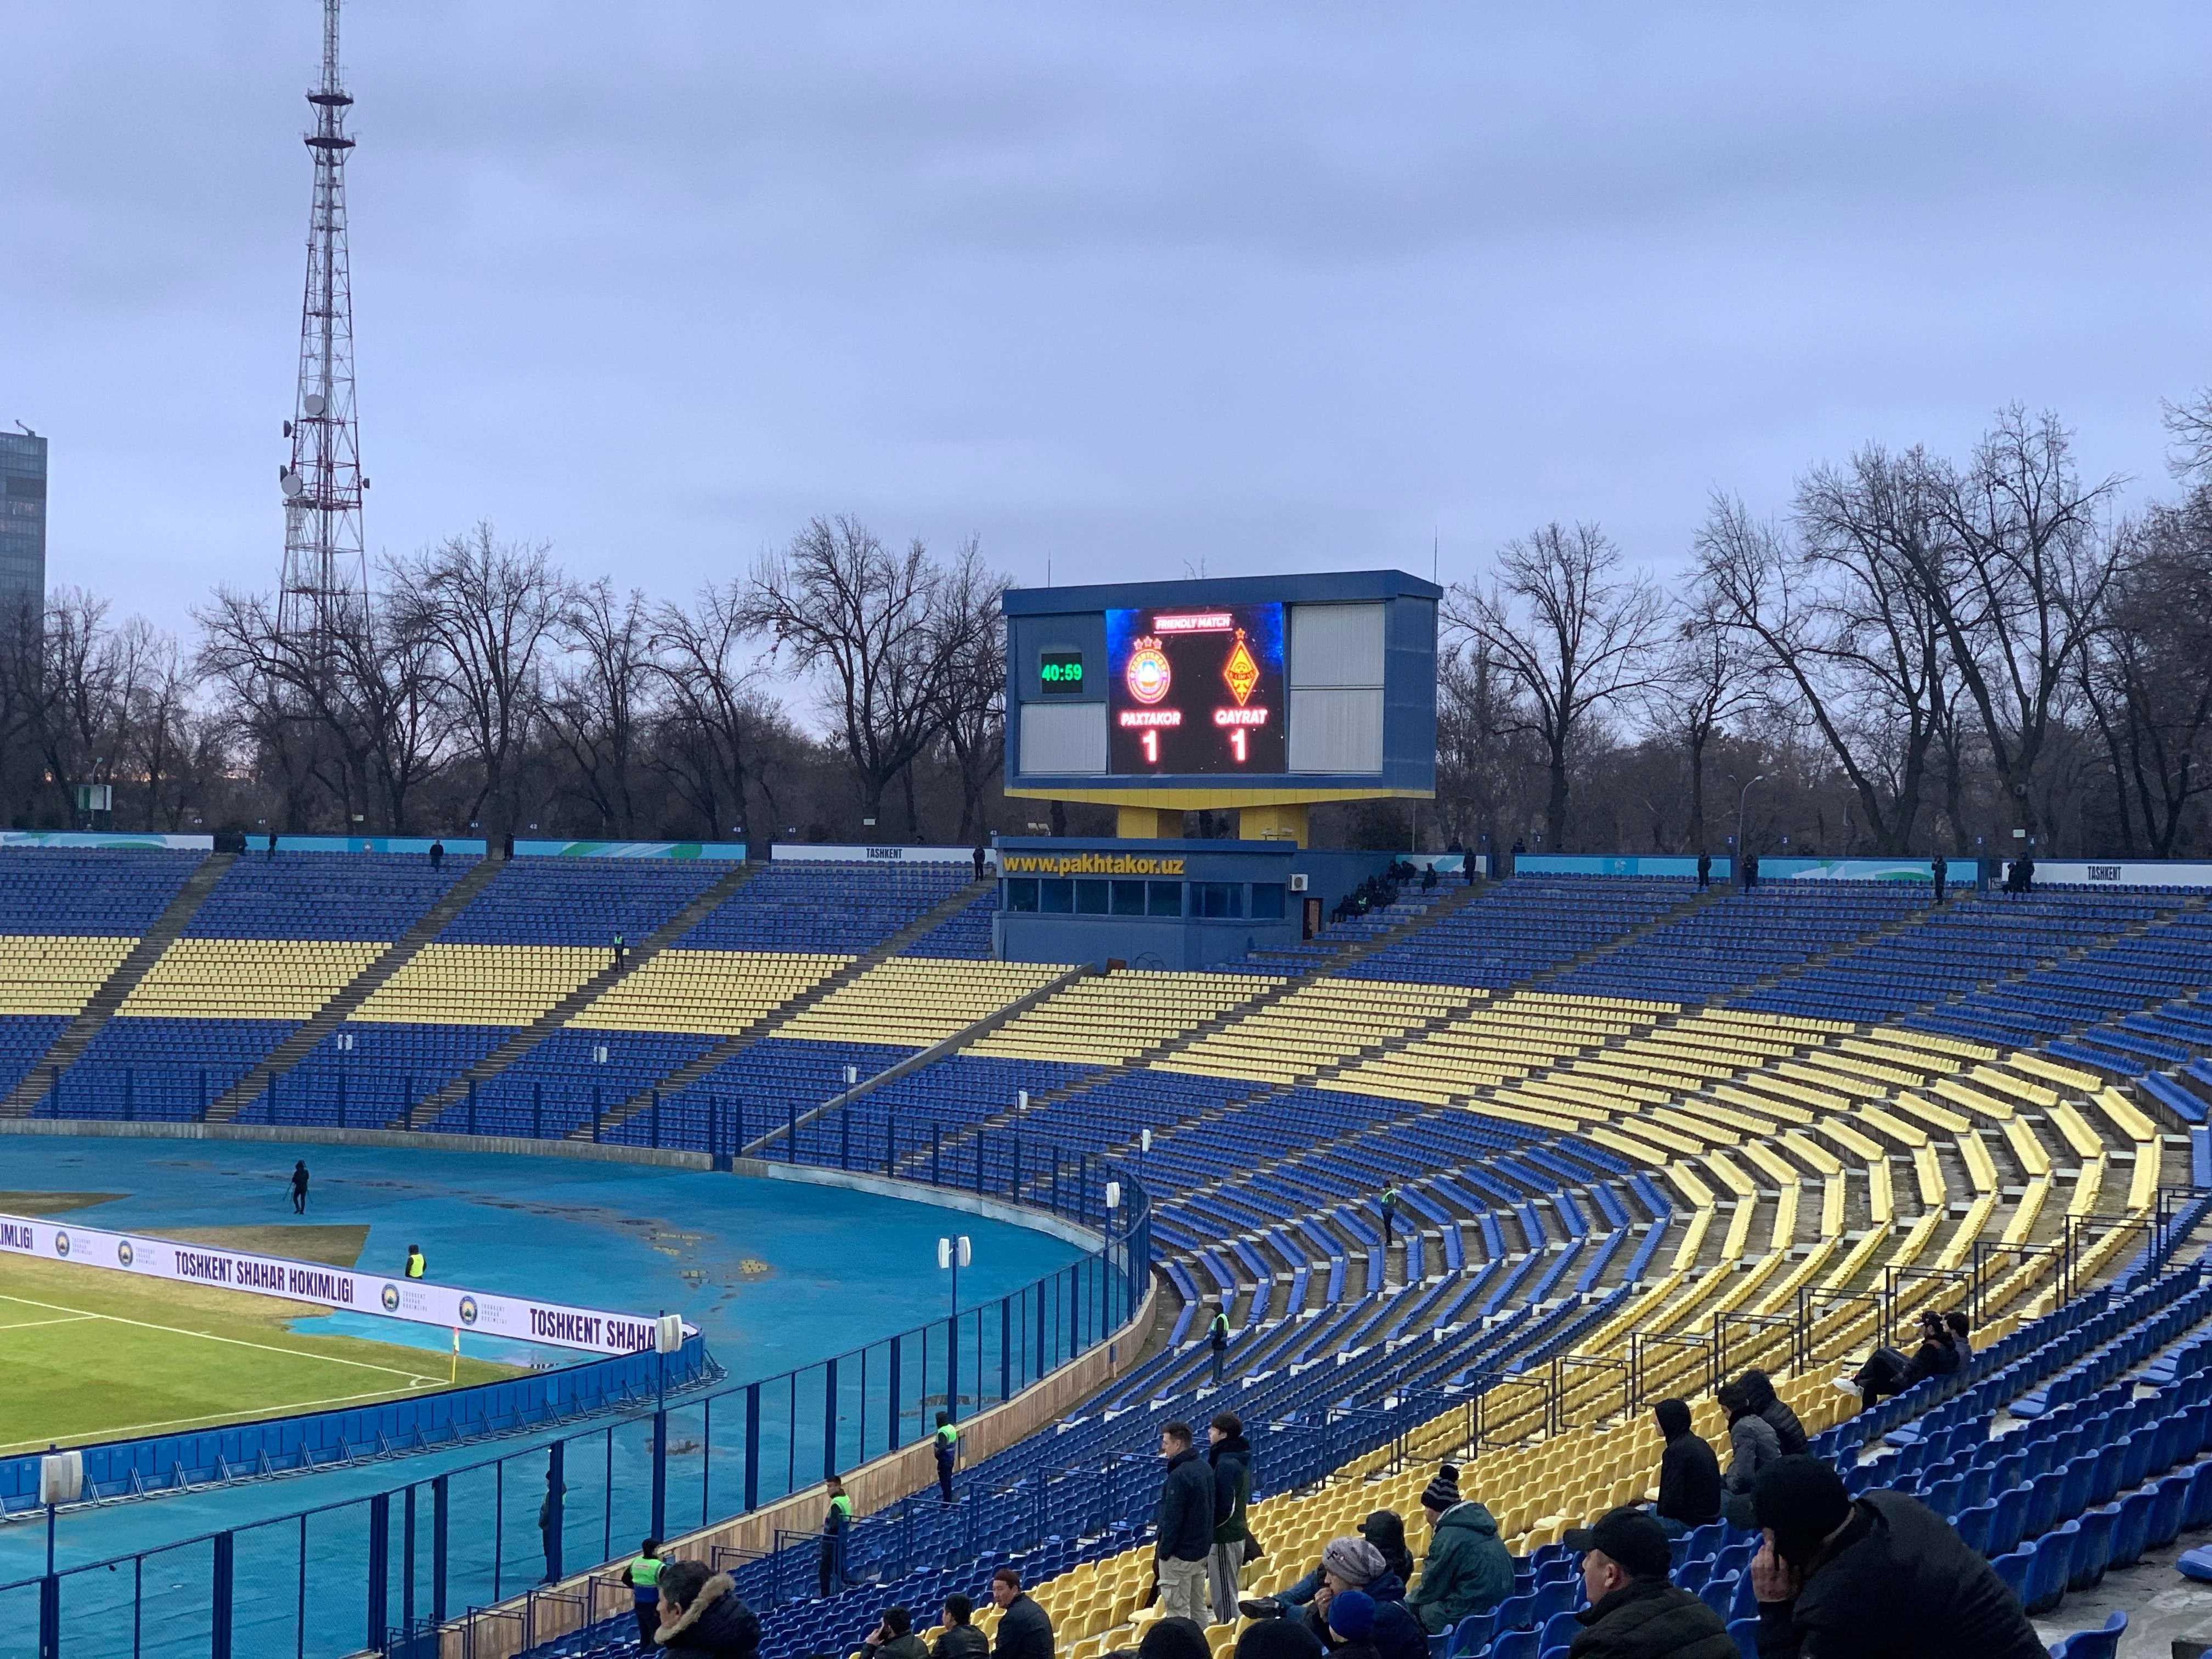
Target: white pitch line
(41,1443)
(209,1336)
(34,1324)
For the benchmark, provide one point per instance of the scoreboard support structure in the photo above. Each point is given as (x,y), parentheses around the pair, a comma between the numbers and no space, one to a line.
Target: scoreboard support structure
(1263,695)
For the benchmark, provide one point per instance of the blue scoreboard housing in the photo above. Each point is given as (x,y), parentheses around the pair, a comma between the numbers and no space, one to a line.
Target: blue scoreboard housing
(1262,694)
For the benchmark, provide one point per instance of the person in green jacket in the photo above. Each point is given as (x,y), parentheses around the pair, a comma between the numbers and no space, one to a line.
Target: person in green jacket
(1467,1568)
(642,1575)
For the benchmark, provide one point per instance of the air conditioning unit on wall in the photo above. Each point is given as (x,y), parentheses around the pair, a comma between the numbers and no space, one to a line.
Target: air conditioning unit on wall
(1298,884)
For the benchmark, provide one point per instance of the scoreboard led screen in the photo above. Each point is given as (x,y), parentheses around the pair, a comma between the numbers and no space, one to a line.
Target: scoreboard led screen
(1194,689)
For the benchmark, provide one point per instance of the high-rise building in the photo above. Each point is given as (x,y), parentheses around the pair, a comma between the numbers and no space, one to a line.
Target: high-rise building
(23,524)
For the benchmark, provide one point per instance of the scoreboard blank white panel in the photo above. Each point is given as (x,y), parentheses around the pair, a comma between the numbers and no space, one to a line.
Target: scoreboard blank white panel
(1336,728)
(1063,737)
(1334,645)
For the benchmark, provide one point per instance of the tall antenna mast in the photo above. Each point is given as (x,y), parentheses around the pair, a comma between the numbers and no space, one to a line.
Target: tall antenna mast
(325,579)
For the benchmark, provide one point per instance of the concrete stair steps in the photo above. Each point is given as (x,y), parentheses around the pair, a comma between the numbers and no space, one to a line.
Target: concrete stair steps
(66,1048)
(325,1019)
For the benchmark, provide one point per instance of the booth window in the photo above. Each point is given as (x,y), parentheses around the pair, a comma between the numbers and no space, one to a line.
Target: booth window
(1021,894)
(1217,900)
(1267,901)
(1128,898)
(1090,898)
(1056,895)
(1163,898)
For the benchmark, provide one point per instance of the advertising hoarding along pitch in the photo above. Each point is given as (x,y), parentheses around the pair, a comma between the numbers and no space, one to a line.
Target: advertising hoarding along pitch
(560,1325)
(1197,690)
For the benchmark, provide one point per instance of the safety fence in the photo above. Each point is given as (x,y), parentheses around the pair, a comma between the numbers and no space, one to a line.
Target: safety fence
(376,1573)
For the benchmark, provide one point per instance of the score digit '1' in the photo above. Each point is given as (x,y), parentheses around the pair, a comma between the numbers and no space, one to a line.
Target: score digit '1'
(1237,742)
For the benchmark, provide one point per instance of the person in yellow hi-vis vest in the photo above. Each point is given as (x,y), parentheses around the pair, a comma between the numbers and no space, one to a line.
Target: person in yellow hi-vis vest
(415,1262)
(643,1577)
(948,1453)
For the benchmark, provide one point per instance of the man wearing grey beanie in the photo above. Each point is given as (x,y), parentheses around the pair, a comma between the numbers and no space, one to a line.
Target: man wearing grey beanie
(1354,1563)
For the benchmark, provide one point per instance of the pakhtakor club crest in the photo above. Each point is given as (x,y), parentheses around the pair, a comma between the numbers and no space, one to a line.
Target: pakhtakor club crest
(389,1297)
(1148,675)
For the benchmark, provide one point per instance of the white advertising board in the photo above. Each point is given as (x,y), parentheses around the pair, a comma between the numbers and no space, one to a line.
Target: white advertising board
(824,852)
(2119,874)
(417,1301)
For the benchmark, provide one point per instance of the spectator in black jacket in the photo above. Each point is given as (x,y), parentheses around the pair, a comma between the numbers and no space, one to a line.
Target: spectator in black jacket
(961,1639)
(1184,1526)
(1889,1371)
(1689,1473)
(1961,1330)
(702,1616)
(1885,1577)
(1231,1454)
(894,1638)
(1758,1394)
(1277,1638)
(1173,1638)
(1752,1444)
(1024,1628)
(1634,1613)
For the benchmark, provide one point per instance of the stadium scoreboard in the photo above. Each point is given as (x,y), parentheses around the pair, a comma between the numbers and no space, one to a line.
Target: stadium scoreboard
(1241,692)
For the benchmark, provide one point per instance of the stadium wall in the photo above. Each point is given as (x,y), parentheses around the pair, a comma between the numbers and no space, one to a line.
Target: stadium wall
(284,1445)
(556,1610)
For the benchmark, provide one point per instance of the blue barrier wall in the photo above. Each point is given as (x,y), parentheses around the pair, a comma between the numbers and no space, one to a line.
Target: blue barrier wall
(277,1444)
(730,850)
(1598,863)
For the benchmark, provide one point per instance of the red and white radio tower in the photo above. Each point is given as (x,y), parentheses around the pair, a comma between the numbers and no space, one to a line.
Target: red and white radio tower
(325,573)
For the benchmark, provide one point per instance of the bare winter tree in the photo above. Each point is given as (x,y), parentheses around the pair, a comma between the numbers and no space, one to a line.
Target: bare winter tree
(494,611)
(2189,424)
(1706,682)
(971,710)
(600,708)
(838,603)
(2146,675)
(717,721)
(1484,755)
(2019,586)
(1840,628)
(1571,632)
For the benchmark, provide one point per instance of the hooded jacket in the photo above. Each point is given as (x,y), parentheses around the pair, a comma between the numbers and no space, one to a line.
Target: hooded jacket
(908,1646)
(1232,1487)
(1759,1394)
(1387,1532)
(1899,1583)
(1184,1519)
(1689,1473)
(1466,1570)
(1752,1444)
(1650,1619)
(717,1624)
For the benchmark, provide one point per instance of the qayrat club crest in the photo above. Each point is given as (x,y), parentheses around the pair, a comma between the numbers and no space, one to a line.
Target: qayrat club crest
(1242,673)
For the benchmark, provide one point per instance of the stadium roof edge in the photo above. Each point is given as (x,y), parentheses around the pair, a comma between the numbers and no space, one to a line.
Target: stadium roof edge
(1321,587)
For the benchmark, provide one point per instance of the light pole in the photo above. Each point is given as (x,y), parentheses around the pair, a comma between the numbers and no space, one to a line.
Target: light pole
(1743,847)
(1106,1255)
(954,1253)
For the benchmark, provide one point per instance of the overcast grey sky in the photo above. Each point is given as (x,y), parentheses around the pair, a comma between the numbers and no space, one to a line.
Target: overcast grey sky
(1127,288)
